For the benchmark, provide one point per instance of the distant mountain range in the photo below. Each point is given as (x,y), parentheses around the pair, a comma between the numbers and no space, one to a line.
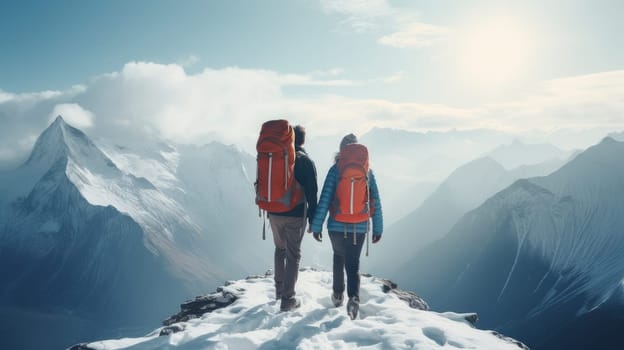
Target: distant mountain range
(541,260)
(411,165)
(465,189)
(97,239)
(83,239)
(519,154)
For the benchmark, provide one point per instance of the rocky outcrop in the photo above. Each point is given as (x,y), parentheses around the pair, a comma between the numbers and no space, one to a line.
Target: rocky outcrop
(199,306)
(413,300)
(204,304)
(520,344)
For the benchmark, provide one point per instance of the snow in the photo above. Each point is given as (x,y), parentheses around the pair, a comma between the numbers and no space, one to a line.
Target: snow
(159,167)
(254,321)
(102,183)
(183,198)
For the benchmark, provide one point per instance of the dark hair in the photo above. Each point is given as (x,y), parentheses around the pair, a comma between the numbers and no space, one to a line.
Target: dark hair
(300,133)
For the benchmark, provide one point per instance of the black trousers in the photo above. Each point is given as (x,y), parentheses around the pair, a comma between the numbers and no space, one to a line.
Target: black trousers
(347,258)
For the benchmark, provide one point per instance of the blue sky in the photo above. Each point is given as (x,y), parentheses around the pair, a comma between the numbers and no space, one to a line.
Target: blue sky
(407,64)
(55,44)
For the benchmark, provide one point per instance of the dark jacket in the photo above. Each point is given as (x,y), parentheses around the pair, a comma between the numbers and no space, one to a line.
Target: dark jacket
(305,174)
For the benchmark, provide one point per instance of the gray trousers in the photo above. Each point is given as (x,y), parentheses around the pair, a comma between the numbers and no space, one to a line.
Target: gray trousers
(287,236)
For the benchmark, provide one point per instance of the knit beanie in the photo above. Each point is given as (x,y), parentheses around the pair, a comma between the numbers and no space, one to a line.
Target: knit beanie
(348,139)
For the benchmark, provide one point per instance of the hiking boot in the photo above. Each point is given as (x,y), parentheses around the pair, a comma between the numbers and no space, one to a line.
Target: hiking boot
(337,299)
(289,304)
(353,306)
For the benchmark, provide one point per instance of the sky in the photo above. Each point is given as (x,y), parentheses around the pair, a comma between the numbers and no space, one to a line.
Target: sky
(197,71)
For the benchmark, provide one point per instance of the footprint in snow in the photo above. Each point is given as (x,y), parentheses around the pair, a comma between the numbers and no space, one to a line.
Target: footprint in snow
(435,334)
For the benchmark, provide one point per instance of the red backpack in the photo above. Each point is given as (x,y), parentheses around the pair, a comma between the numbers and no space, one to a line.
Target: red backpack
(276,187)
(352,202)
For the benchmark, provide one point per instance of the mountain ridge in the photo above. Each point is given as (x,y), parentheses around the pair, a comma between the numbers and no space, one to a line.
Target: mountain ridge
(545,249)
(102,245)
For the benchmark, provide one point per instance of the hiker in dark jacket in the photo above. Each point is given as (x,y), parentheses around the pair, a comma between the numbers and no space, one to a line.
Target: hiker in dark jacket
(289,227)
(346,253)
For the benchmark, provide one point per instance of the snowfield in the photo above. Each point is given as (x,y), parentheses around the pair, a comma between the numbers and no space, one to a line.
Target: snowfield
(254,321)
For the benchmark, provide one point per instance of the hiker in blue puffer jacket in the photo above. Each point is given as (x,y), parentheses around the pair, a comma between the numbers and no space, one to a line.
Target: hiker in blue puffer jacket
(347,238)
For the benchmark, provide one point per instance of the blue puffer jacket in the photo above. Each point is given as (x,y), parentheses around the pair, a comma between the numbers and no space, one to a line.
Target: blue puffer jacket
(327,197)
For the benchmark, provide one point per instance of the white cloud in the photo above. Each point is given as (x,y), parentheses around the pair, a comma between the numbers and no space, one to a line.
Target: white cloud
(587,101)
(361,15)
(4,96)
(329,115)
(415,35)
(23,116)
(74,114)
(188,61)
(164,101)
(368,8)
(396,77)
(330,72)
(146,100)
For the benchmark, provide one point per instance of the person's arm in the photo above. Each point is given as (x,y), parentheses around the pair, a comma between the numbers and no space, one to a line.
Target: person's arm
(327,195)
(377,214)
(307,178)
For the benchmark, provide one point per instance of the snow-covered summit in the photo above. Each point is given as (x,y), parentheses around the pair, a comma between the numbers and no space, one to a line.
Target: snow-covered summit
(102,183)
(246,316)
(103,234)
(59,149)
(61,140)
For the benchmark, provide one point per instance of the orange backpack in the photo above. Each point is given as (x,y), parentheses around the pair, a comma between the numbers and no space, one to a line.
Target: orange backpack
(276,187)
(352,202)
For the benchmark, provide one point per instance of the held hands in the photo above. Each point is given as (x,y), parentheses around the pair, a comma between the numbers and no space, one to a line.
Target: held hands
(317,235)
(376,238)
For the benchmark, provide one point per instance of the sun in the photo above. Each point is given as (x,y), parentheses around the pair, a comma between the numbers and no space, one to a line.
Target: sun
(495,52)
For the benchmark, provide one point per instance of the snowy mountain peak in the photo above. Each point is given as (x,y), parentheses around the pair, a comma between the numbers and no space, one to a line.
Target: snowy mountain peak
(244,315)
(50,145)
(59,120)
(62,141)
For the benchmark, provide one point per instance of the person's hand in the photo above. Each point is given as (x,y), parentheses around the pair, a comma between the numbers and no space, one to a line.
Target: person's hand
(318,236)
(376,238)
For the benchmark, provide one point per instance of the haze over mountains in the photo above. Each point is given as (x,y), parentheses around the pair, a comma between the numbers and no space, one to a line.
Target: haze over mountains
(465,189)
(99,240)
(519,154)
(541,259)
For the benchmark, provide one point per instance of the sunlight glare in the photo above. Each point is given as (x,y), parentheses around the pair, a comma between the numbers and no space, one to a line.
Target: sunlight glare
(495,53)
